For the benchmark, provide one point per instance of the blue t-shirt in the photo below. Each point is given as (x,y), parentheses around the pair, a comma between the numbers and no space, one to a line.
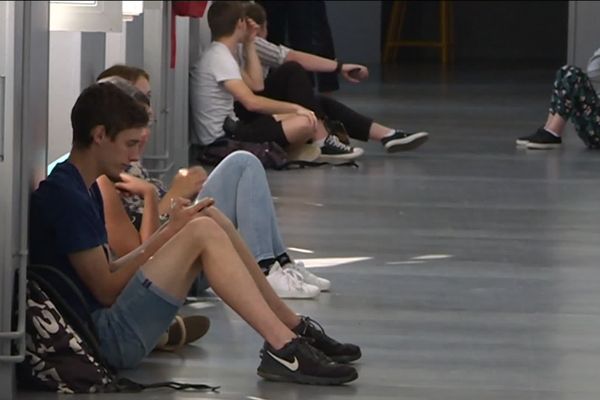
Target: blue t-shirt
(66,217)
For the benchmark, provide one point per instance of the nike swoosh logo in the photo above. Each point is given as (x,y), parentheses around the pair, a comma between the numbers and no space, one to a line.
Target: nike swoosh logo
(292,366)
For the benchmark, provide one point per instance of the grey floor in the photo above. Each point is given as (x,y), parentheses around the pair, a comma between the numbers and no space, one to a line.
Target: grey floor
(467,269)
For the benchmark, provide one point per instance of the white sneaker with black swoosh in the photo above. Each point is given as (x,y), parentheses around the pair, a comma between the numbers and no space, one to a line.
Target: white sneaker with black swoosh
(299,362)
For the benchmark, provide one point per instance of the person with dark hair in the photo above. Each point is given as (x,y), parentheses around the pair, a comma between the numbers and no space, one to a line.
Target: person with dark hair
(574,98)
(238,185)
(217,80)
(285,79)
(135,297)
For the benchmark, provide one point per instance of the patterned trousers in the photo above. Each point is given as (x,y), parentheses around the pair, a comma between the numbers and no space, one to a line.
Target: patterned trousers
(575,99)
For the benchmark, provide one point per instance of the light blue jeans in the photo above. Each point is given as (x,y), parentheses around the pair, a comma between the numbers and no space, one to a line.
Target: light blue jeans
(241,191)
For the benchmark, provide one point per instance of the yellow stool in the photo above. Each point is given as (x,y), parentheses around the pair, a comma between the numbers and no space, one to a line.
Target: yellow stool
(396,22)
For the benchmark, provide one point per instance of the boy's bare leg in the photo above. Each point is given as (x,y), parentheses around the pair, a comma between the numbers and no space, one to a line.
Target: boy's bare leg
(175,266)
(283,312)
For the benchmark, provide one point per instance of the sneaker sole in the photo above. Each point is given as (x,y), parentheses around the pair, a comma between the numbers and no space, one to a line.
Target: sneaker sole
(394,146)
(302,296)
(343,157)
(521,142)
(307,379)
(543,146)
(345,359)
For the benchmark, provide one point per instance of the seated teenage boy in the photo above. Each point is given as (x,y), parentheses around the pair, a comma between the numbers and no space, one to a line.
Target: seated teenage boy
(133,299)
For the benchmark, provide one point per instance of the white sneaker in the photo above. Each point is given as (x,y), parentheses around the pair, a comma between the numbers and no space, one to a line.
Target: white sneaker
(307,276)
(288,284)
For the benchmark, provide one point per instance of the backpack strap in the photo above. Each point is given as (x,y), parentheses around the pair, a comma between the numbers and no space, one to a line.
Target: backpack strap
(299,164)
(125,385)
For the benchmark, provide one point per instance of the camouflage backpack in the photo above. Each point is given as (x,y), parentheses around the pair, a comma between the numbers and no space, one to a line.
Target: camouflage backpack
(62,352)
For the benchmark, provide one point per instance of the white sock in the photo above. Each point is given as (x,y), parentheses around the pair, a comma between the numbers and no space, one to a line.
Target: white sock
(390,133)
(319,142)
(552,132)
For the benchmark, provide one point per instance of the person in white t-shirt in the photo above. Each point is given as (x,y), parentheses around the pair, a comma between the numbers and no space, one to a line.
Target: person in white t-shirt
(217,80)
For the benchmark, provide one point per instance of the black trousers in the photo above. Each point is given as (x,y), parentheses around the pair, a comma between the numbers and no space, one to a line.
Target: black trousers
(290,83)
(306,27)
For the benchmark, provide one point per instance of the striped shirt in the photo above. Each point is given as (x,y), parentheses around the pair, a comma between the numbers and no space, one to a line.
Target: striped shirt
(270,55)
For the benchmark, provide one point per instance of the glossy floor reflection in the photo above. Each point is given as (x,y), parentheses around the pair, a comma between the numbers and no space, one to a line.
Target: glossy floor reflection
(480,274)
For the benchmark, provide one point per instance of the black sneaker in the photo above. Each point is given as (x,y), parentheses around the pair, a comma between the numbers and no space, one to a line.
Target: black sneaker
(338,352)
(299,362)
(402,141)
(338,129)
(333,148)
(540,140)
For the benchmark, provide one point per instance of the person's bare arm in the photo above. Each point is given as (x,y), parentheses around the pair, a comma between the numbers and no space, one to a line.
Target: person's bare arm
(264,105)
(107,280)
(122,235)
(252,73)
(310,62)
(186,183)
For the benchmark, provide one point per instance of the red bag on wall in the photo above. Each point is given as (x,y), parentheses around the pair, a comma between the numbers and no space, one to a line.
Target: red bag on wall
(193,9)
(189,8)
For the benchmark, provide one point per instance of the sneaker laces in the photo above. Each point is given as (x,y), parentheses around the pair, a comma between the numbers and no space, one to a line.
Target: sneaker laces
(313,351)
(334,141)
(298,266)
(309,322)
(294,279)
(318,331)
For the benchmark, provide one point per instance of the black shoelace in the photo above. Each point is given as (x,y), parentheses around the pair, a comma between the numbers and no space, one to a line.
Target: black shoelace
(314,352)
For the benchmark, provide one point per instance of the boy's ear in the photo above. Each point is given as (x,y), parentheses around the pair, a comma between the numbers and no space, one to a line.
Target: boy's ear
(98,133)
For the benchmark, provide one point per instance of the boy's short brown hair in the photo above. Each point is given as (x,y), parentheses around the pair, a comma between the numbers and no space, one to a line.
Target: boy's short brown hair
(223,17)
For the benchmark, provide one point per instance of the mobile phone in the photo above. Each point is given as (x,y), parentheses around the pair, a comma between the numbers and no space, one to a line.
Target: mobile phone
(353,73)
(210,203)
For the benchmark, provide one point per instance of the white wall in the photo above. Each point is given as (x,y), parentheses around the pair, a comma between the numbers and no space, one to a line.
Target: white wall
(584,31)
(64,88)
(115,47)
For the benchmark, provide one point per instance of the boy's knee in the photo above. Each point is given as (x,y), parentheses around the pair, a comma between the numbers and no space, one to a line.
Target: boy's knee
(204,228)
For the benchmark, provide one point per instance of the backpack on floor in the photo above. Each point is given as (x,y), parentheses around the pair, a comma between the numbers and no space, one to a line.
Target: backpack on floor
(270,154)
(62,352)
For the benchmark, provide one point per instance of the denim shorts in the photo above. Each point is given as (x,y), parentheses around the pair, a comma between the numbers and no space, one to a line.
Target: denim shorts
(131,327)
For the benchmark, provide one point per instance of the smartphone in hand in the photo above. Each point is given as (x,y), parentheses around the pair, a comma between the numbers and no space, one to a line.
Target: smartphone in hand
(354,73)
(209,201)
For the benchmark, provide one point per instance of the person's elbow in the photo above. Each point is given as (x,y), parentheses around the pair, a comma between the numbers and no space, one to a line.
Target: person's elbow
(257,86)
(107,292)
(106,298)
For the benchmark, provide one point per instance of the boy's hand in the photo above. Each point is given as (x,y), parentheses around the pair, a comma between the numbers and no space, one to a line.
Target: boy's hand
(354,72)
(135,186)
(252,29)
